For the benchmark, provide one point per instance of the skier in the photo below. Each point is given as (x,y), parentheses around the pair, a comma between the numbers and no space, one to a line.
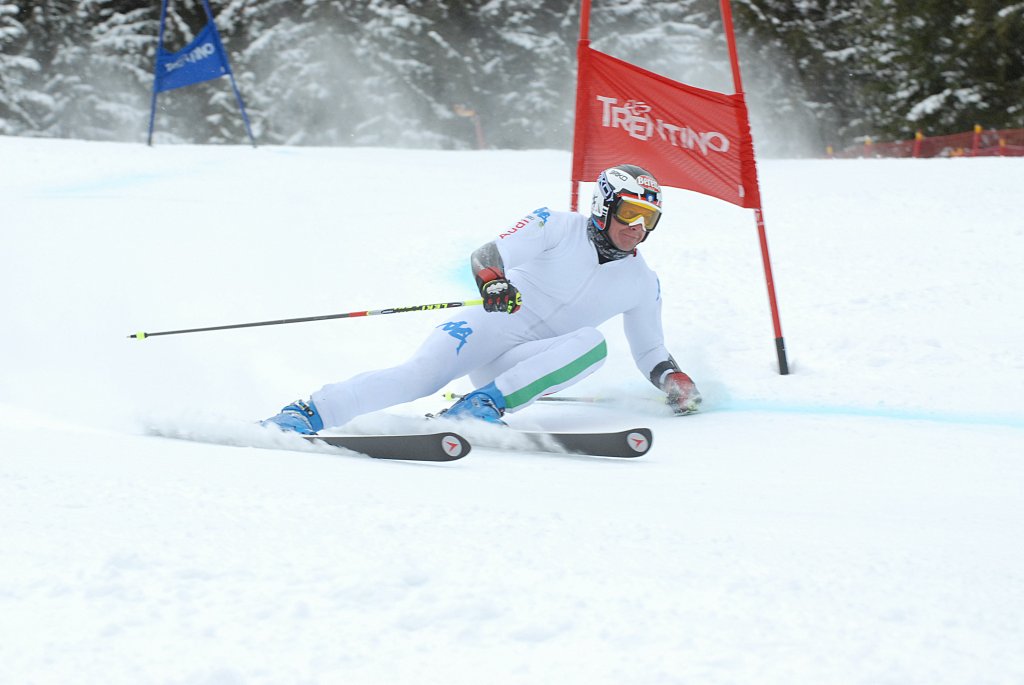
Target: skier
(547,282)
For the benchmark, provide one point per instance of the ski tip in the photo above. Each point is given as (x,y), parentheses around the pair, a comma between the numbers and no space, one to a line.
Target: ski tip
(640,440)
(454,446)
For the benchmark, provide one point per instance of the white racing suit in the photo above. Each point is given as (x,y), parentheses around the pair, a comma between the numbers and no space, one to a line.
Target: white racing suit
(551,343)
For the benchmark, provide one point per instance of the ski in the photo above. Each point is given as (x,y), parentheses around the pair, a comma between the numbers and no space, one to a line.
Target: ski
(446,446)
(635,442)
(426,447)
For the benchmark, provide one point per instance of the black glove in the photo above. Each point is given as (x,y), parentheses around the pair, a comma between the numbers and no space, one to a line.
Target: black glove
(683,396)
(501,296)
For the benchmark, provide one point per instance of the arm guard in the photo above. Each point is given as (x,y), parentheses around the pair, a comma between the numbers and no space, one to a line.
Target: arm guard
(487,264)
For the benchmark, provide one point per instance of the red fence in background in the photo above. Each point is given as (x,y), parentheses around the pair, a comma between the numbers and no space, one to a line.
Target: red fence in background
(977,143)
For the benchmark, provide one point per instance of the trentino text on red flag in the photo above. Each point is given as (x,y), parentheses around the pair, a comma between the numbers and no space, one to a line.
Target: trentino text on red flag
(687,137)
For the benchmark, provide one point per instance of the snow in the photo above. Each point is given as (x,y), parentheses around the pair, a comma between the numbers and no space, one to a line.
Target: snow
(858,521)
(934,103)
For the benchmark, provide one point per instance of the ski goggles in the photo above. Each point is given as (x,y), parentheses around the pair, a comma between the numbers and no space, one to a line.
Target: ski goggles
(631,210)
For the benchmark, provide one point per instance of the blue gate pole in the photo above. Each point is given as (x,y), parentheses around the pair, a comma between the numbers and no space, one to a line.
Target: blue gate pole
(231,74)
(156,70)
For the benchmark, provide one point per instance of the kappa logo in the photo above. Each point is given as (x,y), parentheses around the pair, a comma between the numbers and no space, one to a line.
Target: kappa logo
(458,330)
(635,118)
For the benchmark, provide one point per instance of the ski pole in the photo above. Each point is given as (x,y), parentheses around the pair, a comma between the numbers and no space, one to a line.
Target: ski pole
(449,396)
(375,312)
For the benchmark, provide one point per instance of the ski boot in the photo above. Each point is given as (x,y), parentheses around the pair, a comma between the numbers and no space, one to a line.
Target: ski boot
(301,417)
(484,404)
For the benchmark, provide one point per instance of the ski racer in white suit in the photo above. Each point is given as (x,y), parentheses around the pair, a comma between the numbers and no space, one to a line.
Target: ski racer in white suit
(547,282)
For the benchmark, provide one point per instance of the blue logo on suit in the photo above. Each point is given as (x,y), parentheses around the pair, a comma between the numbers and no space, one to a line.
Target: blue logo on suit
(458,330)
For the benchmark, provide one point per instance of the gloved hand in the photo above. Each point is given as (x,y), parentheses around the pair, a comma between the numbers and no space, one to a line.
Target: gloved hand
(683,396)
(501,296)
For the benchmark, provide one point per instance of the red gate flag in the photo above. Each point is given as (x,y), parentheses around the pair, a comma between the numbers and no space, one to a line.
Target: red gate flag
(687,137)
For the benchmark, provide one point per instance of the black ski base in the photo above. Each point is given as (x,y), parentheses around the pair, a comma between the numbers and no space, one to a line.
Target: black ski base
(429,447)
(635,442)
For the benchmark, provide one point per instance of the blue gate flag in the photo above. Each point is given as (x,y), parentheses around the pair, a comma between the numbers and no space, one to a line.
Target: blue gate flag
(204,59)
(201,60)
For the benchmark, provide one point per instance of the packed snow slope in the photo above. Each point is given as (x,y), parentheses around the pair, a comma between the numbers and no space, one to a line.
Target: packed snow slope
(858,521)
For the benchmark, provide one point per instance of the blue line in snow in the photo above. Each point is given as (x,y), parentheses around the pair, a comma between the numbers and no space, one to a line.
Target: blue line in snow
(102,185)
(1007,420)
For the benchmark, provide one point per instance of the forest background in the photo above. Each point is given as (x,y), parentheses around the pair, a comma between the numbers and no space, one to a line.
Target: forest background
(406,73)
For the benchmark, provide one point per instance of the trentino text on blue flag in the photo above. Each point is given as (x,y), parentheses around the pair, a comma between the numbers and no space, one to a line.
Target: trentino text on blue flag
(201,60)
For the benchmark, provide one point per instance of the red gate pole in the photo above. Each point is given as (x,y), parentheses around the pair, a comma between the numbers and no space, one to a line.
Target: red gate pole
(579,129)
(780,345)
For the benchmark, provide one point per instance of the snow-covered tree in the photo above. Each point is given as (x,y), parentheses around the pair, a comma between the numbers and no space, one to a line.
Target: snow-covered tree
(954,64)
(19,102)
(402,72)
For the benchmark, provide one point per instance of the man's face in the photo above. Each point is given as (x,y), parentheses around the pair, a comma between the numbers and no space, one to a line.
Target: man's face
(624,237)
